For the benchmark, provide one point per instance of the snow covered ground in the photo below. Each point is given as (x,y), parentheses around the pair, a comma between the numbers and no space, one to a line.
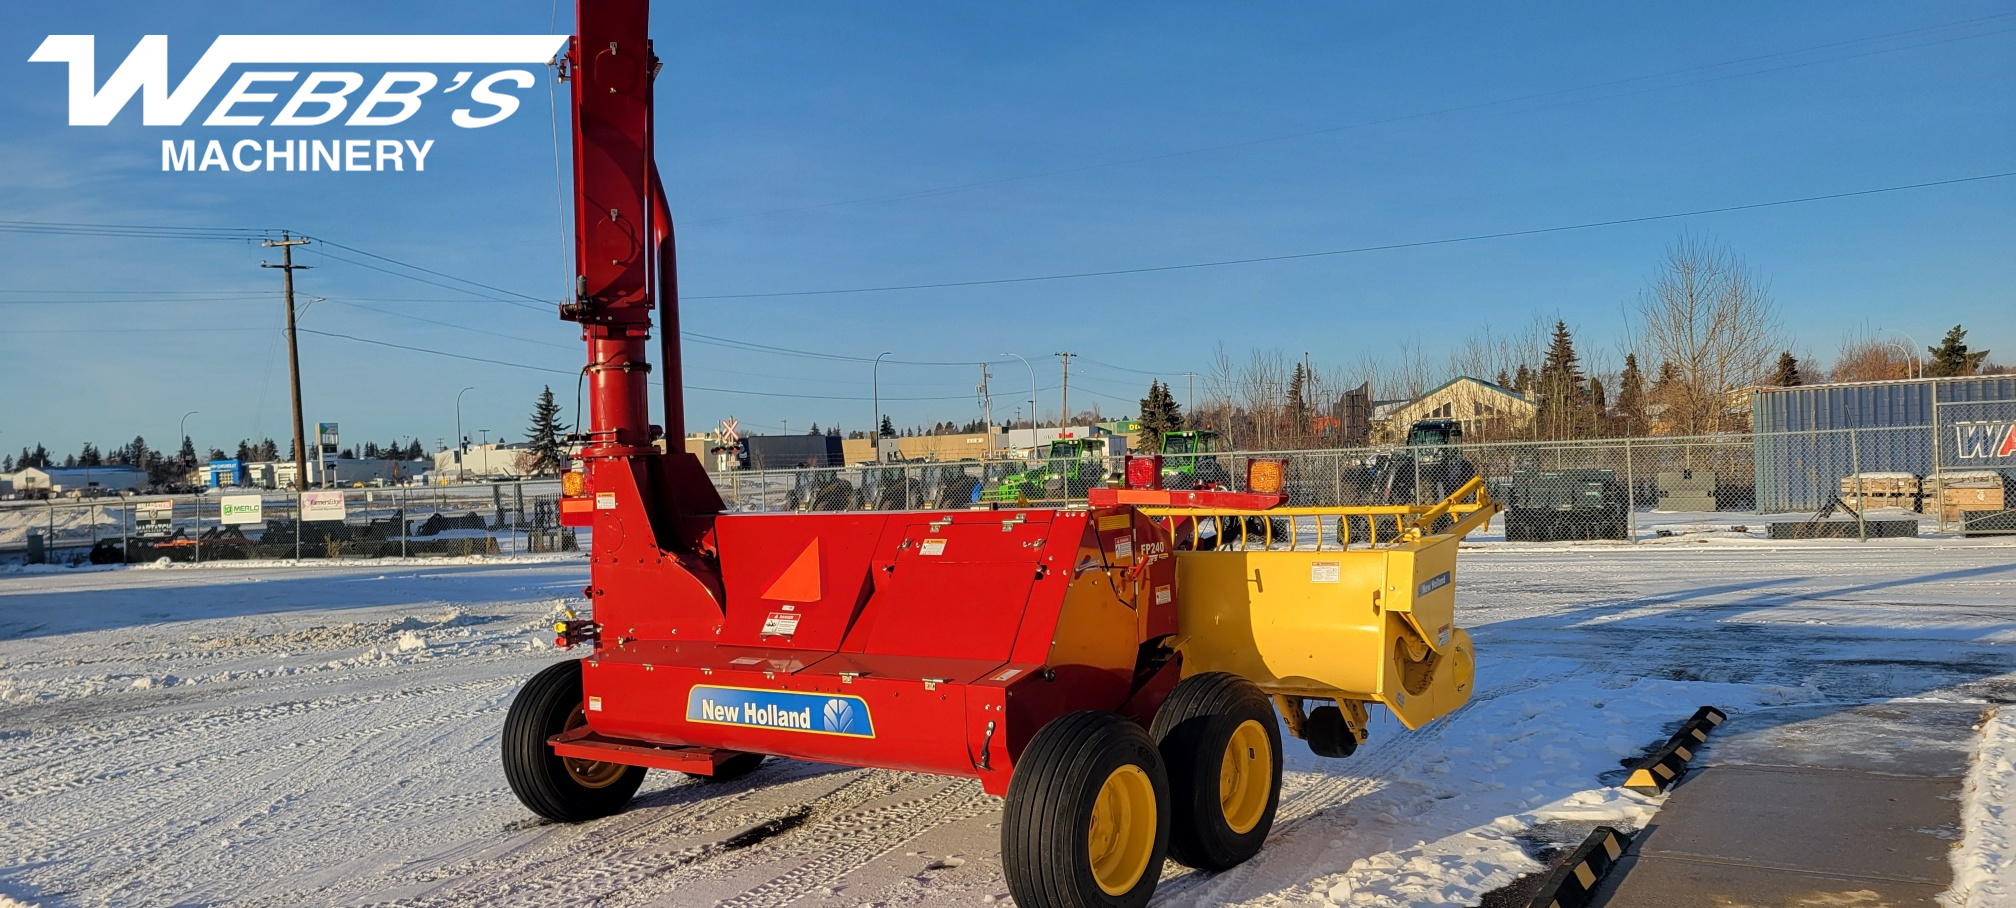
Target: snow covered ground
(327,734)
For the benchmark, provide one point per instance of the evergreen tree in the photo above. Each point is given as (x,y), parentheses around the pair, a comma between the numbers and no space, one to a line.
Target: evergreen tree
(1631,397)
(7,464)
(888,428)
(1160,415)
(269,451)
(549,451)
(187,456)
(1564,410)
(1504,381)
(1523,379)
(69,461)
(1298,402)
(42,457)
(246,452)
(1598,397)
(415,452)
(89,456)
(1787,373)
(1952,357)
(216,454)
(370,450)
(814,430)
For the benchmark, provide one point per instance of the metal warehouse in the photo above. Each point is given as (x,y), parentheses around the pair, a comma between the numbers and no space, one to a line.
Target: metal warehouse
(1807,438)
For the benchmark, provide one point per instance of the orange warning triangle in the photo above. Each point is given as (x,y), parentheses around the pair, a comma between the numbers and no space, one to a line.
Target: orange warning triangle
(800,581)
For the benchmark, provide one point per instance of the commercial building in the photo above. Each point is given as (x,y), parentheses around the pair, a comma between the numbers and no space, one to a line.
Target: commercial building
(1482,408)
(108,479)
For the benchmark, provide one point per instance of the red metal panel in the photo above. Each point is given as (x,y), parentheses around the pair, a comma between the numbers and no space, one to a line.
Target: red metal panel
(951,609)
(758,551)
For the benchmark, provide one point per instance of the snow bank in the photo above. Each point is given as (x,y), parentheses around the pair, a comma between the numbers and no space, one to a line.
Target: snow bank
(1984,866)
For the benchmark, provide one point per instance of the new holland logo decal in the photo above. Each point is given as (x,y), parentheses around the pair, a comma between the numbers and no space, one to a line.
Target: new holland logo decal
(780,710)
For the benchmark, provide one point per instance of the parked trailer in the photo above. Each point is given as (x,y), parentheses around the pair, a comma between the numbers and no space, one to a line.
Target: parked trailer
(1118,685)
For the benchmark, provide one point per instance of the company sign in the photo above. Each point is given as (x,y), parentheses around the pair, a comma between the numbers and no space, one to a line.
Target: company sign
(1984,440)
(153,519)
(780,710)
(241,509)
(296,81)
(322,506)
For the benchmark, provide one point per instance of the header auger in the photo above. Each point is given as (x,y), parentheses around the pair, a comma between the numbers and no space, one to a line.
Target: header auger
(1117,682)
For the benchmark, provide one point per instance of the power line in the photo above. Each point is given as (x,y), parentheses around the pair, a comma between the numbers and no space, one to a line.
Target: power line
(423,280)
(1536,231)
(1466,108)
(393,261)
(527,366)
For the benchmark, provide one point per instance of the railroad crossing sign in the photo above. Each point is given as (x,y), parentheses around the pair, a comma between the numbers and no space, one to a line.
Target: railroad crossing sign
(728,434)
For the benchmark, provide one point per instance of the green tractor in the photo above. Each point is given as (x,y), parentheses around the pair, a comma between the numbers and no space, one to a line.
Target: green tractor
(1066,471)
(1190,460)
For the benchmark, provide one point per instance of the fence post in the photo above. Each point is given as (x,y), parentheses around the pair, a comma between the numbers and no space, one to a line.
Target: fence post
(1855,466)
(196,534)
(405,495)
(125,536)
(1630,493)
(1936,469)
(297,525)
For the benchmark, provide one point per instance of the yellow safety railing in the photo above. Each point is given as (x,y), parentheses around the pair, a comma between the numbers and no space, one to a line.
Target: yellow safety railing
(1470,507)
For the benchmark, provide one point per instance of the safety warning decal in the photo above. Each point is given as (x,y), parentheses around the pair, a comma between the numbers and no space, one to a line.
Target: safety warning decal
(781,624)
(1123,548)
(1326,572)
(1007,674)
(1442,636)
(594,704)
(1162,595)
(932,547)
(605,501)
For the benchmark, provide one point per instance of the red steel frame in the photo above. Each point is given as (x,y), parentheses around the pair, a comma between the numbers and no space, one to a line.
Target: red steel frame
(957,634)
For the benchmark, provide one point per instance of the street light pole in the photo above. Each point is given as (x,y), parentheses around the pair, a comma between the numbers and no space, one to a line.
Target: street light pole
(1032,391)
(875,380)
(461,469)
(182,434)
(1911,355)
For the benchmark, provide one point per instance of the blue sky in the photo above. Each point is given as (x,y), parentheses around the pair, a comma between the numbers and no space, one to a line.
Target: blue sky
(1006,140)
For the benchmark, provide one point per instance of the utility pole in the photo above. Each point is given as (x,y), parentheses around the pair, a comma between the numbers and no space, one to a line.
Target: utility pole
(1065,422)
(286,245)
(986,409)
(1190,402)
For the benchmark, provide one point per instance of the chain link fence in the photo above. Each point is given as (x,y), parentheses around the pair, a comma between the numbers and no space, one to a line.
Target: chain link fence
(241,524)
(1595,489)
(1948,477)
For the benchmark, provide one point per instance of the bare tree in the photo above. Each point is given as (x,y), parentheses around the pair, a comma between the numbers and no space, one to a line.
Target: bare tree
(1712,319)
(1865,357)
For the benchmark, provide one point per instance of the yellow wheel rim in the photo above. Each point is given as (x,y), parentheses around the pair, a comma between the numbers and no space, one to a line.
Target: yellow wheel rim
(1245,776)
(589,773)
(1123,830)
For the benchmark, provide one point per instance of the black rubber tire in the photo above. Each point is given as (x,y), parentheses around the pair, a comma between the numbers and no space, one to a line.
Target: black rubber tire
(1192,730)
(733,768)
(1327,733)
(537,775)
(1045,824)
